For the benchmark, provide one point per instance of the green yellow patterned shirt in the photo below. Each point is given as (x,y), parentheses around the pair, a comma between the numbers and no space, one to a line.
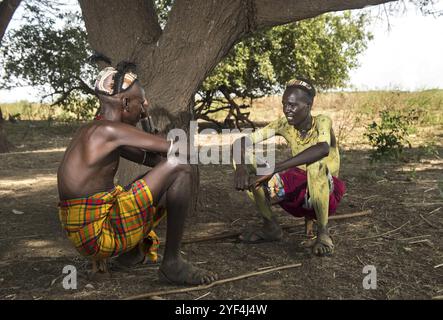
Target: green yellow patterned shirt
(320,132)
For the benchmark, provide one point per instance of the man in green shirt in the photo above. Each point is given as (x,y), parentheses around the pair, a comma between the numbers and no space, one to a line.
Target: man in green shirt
(305,184)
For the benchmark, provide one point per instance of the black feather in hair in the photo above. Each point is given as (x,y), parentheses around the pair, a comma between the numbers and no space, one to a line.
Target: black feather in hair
(122,67)
(126,66)
(99,57)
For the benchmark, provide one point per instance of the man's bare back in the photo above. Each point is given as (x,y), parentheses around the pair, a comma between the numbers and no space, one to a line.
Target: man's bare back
(87,167)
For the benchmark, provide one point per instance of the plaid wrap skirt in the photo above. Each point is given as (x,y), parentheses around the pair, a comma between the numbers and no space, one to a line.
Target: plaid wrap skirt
(108,224)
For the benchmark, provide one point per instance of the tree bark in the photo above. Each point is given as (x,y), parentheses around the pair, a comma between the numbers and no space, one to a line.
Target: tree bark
(174,62)
(7,9)
(4,144)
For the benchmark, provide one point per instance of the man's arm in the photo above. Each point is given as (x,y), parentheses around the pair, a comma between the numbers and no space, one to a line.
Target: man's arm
(326,138)
(307,156)
(313,153)
(120,134)
(242,176)
(136,155)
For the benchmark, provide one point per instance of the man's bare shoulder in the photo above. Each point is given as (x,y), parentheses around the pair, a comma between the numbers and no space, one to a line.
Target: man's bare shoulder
(323,118)
(105,129)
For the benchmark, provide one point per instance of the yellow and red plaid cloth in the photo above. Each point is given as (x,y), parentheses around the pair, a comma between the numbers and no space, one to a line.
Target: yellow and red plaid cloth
(107,224)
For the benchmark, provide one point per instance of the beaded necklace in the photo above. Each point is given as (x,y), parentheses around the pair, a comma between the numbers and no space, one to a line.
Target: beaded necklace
(309,134)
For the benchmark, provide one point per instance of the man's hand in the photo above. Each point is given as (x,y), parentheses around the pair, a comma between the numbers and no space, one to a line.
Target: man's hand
(241,178)
(261,179)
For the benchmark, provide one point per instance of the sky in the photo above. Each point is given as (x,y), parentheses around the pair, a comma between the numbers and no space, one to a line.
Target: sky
(405,54)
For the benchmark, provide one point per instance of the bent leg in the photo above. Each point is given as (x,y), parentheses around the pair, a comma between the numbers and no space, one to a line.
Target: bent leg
(175,182)
(318,188)
(271,230)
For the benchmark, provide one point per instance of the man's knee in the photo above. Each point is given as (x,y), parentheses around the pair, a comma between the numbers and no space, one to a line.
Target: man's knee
(184,171)
(316,168)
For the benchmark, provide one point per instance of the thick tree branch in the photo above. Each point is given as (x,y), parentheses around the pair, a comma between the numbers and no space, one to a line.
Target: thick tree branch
(268,13)
(198,34)
(113,24)
(86,88)
(7,9)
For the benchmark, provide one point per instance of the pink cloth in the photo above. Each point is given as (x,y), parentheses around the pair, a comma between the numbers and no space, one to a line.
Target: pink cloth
(295,185)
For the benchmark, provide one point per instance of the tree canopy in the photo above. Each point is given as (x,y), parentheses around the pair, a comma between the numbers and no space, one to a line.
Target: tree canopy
(323,49)
(50,51)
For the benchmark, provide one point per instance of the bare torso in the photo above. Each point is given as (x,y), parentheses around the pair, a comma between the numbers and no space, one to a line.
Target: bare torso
(88,166)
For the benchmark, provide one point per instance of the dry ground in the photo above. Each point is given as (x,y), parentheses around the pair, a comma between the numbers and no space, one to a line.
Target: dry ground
(405,197)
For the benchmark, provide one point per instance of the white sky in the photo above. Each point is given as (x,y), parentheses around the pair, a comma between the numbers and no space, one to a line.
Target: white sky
(406,56)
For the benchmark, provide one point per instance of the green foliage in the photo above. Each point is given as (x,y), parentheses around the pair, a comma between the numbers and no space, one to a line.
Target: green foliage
(390,136)
(27,110)
(78,107)
(429,149)
(323,49)
(50,52)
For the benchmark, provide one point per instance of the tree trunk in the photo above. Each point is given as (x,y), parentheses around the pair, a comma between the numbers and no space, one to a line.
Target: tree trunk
(7,9)
(174,62)
(4,144)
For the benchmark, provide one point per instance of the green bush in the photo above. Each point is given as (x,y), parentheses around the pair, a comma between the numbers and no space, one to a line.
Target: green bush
(390,136)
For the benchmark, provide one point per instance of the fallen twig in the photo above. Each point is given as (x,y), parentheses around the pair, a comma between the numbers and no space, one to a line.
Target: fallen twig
(437,298)
(22,237)
(265,268)
(428,222)
(215,283)
(360,261)
(383,234)
(421,241)
(205,295)
(256,296)
(433,211)
(412,238)
(368,199)
(297,222)
(156,298)
(438,266)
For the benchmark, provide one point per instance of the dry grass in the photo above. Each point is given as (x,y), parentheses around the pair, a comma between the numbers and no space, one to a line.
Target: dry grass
(351,112)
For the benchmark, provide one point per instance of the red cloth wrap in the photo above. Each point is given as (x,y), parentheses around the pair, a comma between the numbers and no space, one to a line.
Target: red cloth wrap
(295,184)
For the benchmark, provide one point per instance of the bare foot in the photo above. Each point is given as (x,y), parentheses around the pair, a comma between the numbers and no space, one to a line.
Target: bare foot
(323,245)
(182,273)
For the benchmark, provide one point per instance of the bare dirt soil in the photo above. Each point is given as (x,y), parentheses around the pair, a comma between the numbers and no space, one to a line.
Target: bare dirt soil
(402,237)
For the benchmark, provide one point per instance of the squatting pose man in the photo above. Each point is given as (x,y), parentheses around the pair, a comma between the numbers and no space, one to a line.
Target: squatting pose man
(307,184)
(104,220)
